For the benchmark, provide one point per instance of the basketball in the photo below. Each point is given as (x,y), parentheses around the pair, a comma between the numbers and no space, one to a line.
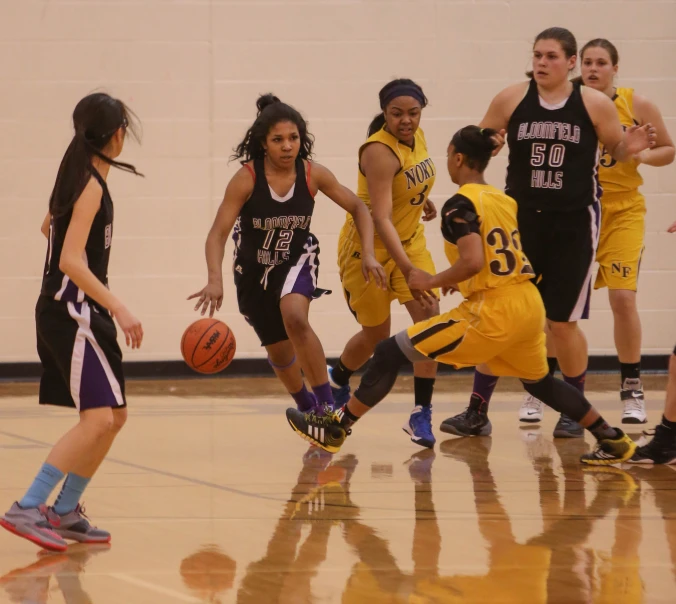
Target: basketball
(208,346)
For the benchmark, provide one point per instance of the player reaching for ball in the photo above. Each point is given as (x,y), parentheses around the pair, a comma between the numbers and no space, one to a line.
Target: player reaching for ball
(77,340)
(268,204)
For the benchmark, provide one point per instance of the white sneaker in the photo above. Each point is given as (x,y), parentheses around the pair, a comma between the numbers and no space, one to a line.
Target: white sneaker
(634,403)
(531,410)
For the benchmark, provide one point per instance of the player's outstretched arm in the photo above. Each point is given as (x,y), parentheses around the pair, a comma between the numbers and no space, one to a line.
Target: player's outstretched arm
(239,189)
(328,184)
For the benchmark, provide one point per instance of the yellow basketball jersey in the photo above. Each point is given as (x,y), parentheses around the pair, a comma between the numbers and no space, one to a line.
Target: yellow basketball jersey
(506,264)
(615,176)
(411,185)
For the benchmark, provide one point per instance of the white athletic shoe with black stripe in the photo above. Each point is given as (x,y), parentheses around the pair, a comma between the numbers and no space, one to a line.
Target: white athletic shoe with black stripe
(322,430)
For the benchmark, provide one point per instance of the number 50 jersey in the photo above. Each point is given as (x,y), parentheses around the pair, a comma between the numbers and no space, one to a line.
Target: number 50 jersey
(495,213)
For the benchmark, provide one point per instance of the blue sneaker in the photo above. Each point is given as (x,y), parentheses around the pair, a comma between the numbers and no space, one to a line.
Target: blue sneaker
(419,427)
(341,394)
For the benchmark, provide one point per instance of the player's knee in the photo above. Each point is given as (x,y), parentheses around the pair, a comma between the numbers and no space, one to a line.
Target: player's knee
(622,302)
(377,334)
(98,422)
(296,324)
(563,331)
(672,366)
(119,419)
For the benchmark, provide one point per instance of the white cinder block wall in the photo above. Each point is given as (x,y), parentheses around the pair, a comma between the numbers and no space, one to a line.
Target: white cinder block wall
(192,71)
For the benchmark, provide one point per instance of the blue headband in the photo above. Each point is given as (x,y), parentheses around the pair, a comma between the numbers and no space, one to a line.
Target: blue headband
(402,90)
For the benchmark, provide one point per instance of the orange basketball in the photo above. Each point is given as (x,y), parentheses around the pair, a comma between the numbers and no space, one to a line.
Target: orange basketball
(208,346)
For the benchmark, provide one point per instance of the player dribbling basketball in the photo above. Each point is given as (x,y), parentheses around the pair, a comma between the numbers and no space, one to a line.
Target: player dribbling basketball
(268,205)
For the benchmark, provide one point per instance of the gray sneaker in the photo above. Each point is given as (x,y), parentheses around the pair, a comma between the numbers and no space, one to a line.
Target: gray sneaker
(32,524)
(568,428)
(76,527)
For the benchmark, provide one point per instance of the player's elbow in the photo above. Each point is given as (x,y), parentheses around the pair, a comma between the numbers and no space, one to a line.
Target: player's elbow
(670,155)
(473,264)
(68,262)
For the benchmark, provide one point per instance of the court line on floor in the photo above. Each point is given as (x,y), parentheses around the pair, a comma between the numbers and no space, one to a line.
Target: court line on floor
(197,481)
(165,591)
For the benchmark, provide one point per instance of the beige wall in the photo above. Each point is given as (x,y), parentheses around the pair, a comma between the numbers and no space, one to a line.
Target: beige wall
(192,71)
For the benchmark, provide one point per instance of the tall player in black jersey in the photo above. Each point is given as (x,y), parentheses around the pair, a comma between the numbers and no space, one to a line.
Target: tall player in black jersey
(553,131)
(268,204)
(77,340)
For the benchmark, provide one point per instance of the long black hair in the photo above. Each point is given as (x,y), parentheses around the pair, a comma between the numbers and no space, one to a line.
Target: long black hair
(476,144)
(401,85)
(271,111)
(96,118)
(562,36)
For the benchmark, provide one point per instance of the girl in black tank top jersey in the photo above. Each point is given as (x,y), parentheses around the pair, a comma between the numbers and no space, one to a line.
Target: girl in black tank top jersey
(268,205)
(553,154)
(76,336)
(553,128)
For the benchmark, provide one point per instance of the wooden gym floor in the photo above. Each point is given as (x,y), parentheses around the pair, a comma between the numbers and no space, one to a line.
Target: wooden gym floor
(210,497)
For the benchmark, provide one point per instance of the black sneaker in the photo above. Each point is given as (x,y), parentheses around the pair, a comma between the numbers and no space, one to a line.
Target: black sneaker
(471,422)
(323,431)
(660,450)
(568,428)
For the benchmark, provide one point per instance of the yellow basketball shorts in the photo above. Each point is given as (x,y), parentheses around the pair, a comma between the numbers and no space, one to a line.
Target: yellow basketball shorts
(621,241)
(369,304)
(502,327)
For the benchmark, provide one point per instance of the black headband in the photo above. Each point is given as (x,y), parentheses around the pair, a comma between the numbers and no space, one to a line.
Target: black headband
(402,90)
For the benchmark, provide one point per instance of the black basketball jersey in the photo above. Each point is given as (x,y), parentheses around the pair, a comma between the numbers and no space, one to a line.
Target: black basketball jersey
(553,154)
(55,283)
(270,232)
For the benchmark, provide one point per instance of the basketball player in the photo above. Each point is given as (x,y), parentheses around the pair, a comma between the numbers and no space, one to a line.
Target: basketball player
(500,323)
(623,217)
(77,339)
(554,127)
(269,203)
(396,176)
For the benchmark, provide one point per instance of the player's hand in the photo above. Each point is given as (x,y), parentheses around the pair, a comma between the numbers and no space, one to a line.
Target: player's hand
(429,211)
(419,279)
(450,289)
(421,285)
(211,297)
(638,138)
(370,266)
(672,228)
(499,140)
(130,326)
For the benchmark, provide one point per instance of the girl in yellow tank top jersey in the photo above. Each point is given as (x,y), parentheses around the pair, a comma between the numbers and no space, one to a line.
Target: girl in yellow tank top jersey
(623,217)
(396,176)
(500,323)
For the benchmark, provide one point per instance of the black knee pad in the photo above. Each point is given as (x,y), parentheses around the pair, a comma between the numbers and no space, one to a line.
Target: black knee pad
(381,373)
(560,396)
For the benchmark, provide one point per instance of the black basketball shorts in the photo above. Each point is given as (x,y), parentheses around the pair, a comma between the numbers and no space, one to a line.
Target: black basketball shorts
(260,289)
(81,359)
(561,247)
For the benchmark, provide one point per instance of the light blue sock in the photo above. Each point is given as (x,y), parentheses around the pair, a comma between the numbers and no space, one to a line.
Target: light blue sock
(45,482)
(70,494)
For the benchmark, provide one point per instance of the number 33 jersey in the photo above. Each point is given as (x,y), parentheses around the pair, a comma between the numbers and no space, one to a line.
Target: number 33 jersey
(495,213)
